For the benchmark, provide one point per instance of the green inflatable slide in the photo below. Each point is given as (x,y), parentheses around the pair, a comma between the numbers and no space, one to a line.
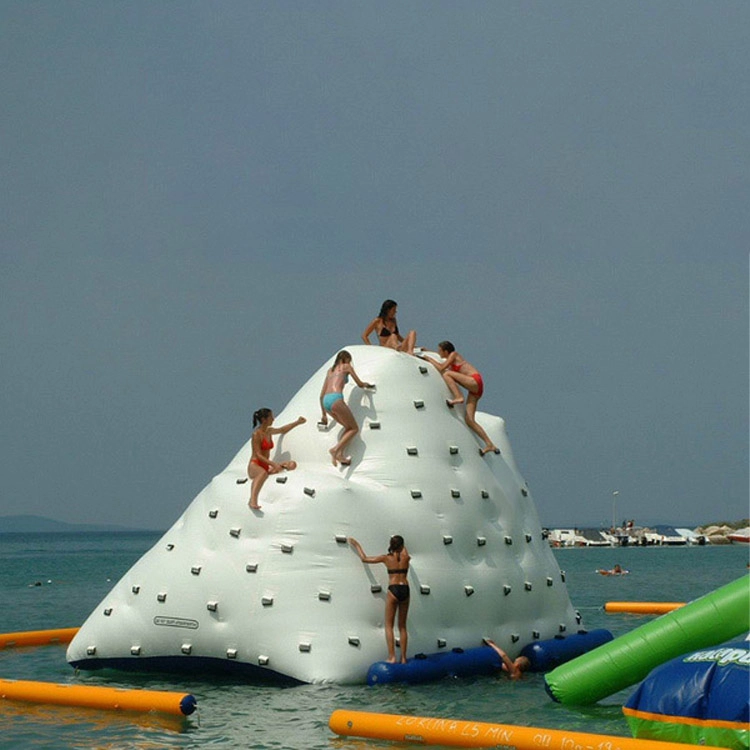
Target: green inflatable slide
(705,622)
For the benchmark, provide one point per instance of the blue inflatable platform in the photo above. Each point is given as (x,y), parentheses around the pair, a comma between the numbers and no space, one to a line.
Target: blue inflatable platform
(701,698)
(547,655)
(483,660)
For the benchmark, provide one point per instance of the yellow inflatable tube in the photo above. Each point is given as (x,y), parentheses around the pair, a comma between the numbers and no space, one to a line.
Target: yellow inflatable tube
(642,608)
(118,699)
(37,637)
(456,733)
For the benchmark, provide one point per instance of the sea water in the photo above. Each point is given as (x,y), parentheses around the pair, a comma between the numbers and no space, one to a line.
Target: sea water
(56,580)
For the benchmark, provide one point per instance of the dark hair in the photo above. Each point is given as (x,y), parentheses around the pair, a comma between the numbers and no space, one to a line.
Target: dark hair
(447,346)
(386,307)
(259,416)
(396,543)
(342,356)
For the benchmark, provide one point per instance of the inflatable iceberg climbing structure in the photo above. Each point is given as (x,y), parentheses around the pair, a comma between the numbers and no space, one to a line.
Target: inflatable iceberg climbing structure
(281,595)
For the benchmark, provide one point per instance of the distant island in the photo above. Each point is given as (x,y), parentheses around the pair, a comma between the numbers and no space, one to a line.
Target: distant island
(30,524)
(40,525)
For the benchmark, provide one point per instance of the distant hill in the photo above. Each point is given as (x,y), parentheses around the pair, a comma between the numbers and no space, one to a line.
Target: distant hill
(40,524)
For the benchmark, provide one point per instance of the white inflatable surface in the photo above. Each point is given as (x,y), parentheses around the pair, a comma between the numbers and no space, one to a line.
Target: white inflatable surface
(280,592)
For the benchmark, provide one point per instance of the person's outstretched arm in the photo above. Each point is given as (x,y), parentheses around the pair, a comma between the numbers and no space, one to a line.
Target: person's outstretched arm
(357,379)
(362,556)
(507,663)
(283,430)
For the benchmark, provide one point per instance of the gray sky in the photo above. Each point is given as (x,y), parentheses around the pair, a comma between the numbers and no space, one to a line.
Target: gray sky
(203,201)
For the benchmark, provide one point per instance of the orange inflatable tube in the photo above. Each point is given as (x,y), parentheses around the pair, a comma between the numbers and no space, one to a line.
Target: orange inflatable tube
(642,608)
(118,699)
(456,733)
(37,637)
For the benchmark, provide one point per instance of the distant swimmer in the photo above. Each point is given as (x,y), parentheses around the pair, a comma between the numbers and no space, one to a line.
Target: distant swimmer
(456,371)
(386,327)
(332,402)
(396,562)
(514,668)
(616,571)
(260,464)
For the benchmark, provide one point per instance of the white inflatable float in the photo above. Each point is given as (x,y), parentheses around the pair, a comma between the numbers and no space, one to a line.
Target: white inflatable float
(280,594)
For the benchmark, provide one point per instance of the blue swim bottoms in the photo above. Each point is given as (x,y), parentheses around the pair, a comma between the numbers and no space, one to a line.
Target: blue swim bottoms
(330,399)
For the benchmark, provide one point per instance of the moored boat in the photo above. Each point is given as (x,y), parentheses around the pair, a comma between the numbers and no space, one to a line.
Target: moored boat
(741,536)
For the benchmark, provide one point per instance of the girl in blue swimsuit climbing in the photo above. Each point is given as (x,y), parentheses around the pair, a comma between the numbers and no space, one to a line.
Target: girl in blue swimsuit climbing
(332,402)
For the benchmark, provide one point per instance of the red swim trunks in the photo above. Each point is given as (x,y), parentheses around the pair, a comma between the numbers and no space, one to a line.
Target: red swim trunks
(480,383)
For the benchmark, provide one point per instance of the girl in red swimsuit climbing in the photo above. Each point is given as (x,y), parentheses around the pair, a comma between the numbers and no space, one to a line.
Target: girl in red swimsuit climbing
(387,329)
(396,562)
(261,465)
(456,371)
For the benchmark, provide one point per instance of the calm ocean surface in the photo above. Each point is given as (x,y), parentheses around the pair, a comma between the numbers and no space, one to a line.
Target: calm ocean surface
(77,570)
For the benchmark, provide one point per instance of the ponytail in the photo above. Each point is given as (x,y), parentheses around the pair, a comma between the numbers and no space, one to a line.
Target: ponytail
(396,544)
(259,416)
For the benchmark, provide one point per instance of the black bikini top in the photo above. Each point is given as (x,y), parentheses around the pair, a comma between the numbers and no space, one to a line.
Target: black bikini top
(385,332)
(397,570)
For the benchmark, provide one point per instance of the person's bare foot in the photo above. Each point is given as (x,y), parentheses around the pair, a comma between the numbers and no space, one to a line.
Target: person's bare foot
(451,402)
(345,460)
(403,660)
(489,449)
(391,660)
(334,457)
(253,507)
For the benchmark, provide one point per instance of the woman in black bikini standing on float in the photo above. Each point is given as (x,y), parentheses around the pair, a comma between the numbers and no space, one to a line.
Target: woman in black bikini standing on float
(396,562)
(387,329)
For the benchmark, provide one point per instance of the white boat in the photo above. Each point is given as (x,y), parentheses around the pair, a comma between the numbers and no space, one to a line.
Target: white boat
(566,538)
(741,536)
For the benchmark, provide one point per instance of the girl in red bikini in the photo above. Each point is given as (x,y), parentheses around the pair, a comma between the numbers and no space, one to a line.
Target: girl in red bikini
(456,371)
(261,465)
(397,599)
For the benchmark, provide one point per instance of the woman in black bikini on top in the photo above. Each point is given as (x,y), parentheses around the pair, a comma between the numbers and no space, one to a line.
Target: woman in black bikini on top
(386,327)
(396,562)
